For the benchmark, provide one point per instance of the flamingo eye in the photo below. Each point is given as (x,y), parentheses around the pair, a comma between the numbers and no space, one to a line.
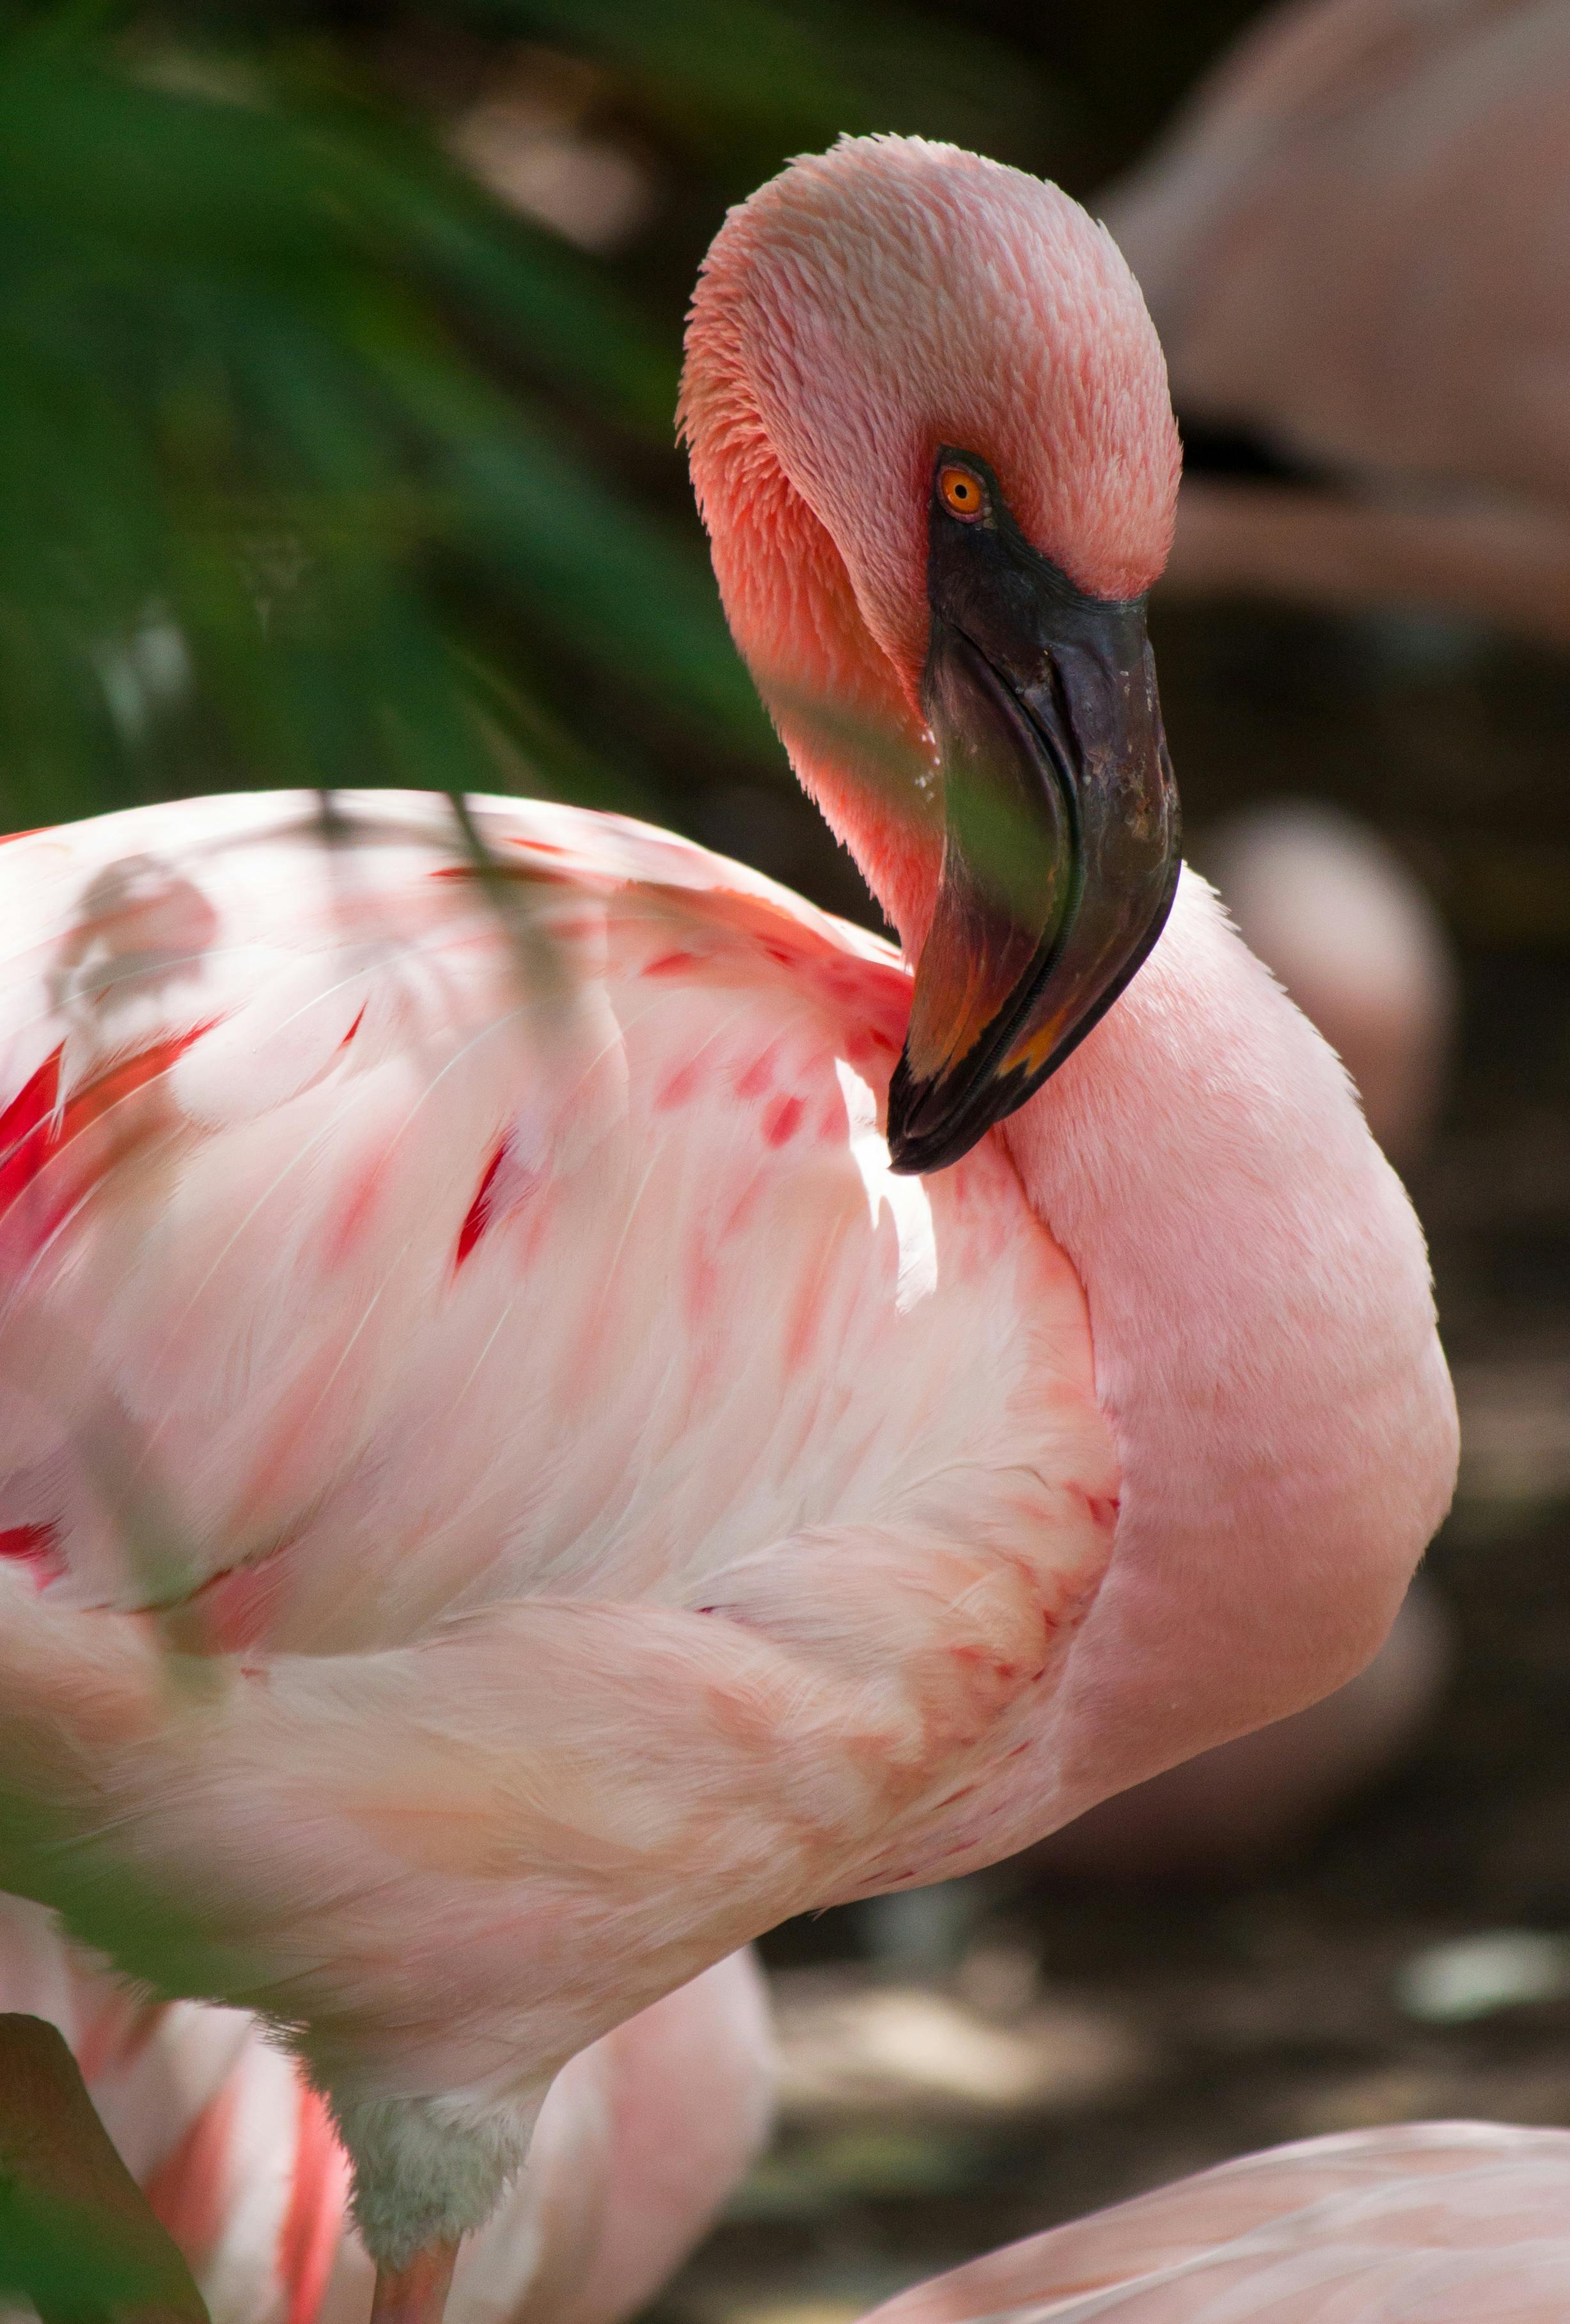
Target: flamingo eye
(962,492)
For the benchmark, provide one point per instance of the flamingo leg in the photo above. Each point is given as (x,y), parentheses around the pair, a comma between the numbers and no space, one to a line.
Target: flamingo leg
(415,2293)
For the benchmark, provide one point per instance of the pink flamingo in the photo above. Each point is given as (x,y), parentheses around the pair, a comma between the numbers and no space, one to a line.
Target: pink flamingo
(1353,241)
(513,1482)
(1424,2223)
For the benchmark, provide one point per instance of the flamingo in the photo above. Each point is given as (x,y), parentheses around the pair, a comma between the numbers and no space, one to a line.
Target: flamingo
(559,1405)
(1420,2223)
(1352,242)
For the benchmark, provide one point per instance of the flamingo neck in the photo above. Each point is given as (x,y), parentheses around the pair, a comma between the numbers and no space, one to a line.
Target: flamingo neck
(859,746)
(848,717)
(1265,1353)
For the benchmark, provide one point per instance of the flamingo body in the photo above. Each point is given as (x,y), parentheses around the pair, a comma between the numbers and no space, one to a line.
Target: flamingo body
(655,1234)
(1422,2223)
(1352,242)
(1345,242)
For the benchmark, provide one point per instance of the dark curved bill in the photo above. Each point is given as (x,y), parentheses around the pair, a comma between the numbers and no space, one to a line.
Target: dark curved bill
(1061,848)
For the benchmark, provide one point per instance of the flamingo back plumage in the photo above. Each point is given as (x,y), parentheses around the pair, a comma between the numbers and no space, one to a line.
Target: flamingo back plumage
(1419,2223)
(331,1212)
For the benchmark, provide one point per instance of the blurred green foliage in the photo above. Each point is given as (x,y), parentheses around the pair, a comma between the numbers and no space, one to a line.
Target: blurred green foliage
(319,466)
(76,2265)
(294,481)
(239,436)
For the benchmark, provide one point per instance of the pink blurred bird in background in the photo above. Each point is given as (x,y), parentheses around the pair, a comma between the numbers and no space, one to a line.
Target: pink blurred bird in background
(557,1405)
(1423,2223)
(1353,244)
(1349,929)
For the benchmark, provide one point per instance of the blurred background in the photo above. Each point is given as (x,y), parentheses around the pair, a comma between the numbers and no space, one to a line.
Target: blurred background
(339,348)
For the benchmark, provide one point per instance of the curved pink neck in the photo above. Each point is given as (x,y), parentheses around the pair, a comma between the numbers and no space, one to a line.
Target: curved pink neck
(851,727)
(1265,1351)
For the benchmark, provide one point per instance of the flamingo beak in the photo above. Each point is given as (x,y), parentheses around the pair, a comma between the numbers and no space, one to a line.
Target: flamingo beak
(1061,832)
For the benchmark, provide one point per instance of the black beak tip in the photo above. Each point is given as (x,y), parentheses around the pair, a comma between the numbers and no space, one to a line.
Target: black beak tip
(933,1124)
(906,1156)
(907,1147)
(912,1160)
(923,1132)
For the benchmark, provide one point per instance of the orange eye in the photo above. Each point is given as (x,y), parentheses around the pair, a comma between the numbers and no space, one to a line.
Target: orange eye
(961,490)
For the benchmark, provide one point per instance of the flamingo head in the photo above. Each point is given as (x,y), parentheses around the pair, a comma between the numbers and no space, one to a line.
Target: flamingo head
(931,438)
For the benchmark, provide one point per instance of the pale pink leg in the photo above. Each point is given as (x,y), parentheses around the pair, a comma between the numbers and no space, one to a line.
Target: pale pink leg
(415,2293)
